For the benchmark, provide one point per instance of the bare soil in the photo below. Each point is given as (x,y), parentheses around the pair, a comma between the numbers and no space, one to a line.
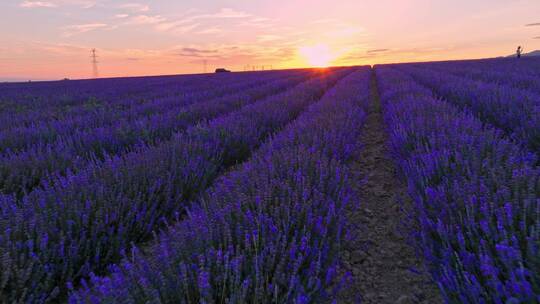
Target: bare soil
(380,258)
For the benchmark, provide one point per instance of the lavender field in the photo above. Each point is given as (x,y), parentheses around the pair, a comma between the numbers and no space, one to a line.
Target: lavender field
(404,183)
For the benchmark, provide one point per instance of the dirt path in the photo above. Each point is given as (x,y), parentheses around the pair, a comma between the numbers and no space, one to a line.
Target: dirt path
(383,265)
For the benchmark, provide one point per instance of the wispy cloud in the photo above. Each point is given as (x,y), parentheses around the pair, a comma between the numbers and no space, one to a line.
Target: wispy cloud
(346,31)
(361,53)
(227,53)
(121,16)
(375,51)
(82,28)
(60,49)
(198,53)
(537,37)
(165,26)
(533,24)
(325,21)
(224,13)
(268,38)
(210,31)
(192,20)
(195,50)
(35,4)
(230,13)
(257,22)
(135,7)
(260,19)
(146,19)
(185,29)
(82,3)
(58,3)
(352,57)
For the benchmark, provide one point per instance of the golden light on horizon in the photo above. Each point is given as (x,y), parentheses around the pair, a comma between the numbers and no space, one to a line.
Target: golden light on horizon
(318,55)
(143,38)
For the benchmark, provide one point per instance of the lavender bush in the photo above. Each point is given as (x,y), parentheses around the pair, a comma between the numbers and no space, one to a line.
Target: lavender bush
(232,188)
(268,232)
(23,104)
(82,222)
(21,172)
(508,73)
(515,111)
(103,114)
(477,196)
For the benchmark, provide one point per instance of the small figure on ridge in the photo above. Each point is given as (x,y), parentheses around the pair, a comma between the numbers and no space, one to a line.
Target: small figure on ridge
(519,51)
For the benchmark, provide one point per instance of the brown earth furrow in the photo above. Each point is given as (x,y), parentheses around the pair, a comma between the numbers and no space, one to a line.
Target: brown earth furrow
(380,258)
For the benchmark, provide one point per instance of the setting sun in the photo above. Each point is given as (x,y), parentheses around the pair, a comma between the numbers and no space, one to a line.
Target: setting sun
(317,55)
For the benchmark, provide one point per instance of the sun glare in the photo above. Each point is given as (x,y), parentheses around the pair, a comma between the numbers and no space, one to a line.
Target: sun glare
(317,55)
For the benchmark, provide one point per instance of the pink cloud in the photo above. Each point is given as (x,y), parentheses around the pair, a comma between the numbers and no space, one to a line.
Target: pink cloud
(82,28)
(135,7)
(34,4)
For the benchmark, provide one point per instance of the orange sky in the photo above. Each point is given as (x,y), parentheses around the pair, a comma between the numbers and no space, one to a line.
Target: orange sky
(51,39)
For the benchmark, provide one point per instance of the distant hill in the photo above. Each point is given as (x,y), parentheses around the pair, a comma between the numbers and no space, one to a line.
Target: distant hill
(533,53)
(530,54)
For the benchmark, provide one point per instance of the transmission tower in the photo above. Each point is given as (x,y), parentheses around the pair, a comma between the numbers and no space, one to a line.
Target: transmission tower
(94,56)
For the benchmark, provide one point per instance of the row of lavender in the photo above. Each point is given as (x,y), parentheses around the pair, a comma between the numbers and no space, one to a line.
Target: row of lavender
(269,231)
(513,110)
(526,67)
(83,222)
(26,103)
(73,149)
(512,73)
(477,195)
(18,135)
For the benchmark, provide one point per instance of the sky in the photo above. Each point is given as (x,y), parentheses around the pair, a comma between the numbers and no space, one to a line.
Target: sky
(52,39)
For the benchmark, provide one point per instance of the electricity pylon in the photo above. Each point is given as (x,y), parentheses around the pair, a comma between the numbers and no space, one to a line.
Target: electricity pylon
(94,56)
